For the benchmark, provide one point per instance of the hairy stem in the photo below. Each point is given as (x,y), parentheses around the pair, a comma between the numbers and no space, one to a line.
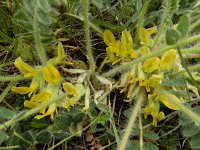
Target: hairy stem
(141,20)
(39,47)
(136,109)
(12,78)
(87,36)
(161,26)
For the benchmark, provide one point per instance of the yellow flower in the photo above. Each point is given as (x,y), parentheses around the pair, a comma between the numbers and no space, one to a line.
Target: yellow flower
(110,51)
(155,80)
(60,51)
(158,117)
(148,110)
(167,103)
(144,50)
(51,111)
(153,110)
(132,53)
(168,59)
(144,36)
(151,64)
(152,30)
(109,38)
(70,89)
(122,51)
(33,88)
(51,74)
(20,90)
(37,100)
(24,68)
(25,90)
(127,39)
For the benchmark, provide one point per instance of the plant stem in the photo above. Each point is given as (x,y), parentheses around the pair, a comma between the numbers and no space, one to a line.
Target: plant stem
(126,66)
(136,109)
(30,112)
(12,78)
(113,123)
(5,91)
(10,147)
(191,50)
(173,99)
(39,47)
(194,24)
(141,20)
(141,132)
(187,70)
(87,36)
(161,26)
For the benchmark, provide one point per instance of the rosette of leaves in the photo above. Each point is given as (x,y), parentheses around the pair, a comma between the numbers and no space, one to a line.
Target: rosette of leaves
(35,16)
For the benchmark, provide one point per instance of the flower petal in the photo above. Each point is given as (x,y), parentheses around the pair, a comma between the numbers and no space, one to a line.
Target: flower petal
(41,97)
(168,59)
(152,30)
(51,110)
(127,39)
(167,103)
(70,89)
(151,64)
(21,90)
(144,50)
(24,68)
(51,74)
(60,51)
(109,38)
(144,36)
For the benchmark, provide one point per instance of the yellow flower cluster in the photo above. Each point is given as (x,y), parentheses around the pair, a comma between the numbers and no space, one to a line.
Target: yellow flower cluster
(148,74)
(46,85)
(121,50)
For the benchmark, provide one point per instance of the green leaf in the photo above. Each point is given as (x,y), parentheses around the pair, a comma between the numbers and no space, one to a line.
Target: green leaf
(103,119)
(6,113)
(44,5)
(102,107)
(63,122)
(60,135)
(28,137)
(173,6)
(172,36)
(194,142)
(44,137)
(190,130)
(3,136)
(13,140)
(38,124)
(150,135)
(183,26)
(98,3)
(149,146)
(78,117)
(133,145)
